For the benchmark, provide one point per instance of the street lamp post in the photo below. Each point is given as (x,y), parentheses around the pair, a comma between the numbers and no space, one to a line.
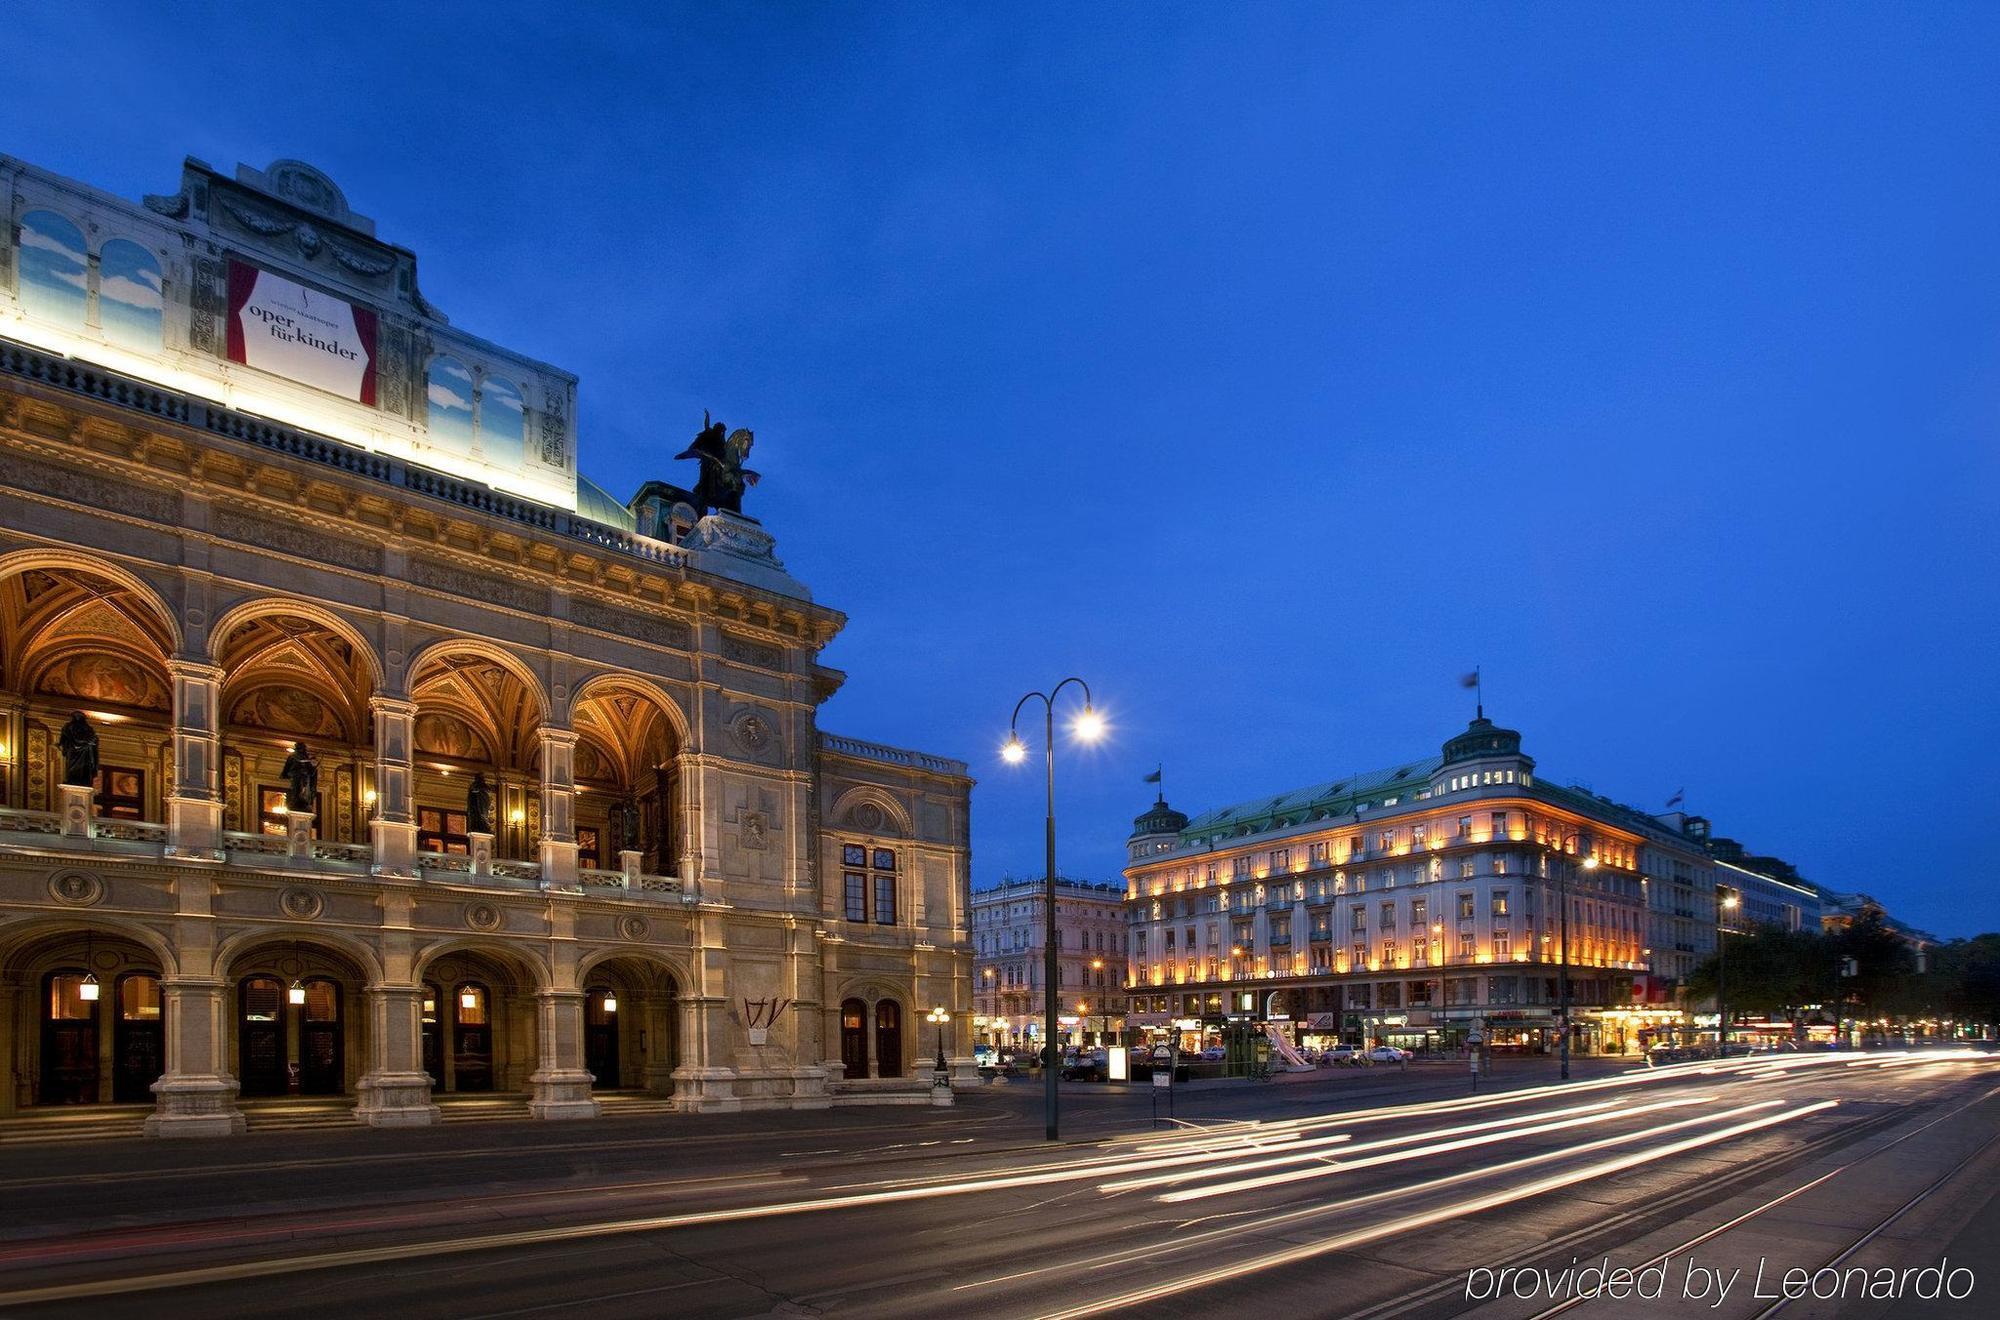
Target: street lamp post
(1725,901)
(1089,727)
(938,1017)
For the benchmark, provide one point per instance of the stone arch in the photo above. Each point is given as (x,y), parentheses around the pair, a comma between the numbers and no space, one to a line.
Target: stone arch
(258,607)
(512,957)
(255,939)
(895,820)
(682,976)
(439,647)
(22,561)
(677,717)
(16,936)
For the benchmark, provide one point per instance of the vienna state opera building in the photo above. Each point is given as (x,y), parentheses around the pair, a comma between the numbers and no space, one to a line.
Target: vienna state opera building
(355,748)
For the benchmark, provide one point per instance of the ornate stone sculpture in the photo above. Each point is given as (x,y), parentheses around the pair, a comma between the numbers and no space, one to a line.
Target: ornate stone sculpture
(479,805)
(301,779)
(722,454)
(78,742)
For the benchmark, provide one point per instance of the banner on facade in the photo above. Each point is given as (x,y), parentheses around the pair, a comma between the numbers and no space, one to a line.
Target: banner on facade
(282,327)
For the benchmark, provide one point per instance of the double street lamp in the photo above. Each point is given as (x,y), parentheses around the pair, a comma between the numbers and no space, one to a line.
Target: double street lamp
(937,1017)
(1088,727)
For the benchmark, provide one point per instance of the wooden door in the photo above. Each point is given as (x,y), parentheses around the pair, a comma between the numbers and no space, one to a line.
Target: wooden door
(600,1037)
(139,1048)
(471,1038)
(69,1040)
(322,1063)
(260,1037)
(888,1039)
(854,1037)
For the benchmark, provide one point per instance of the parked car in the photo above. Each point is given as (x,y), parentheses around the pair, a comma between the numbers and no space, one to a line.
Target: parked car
(1344,1056)
(1214,1054)
(1388,1054)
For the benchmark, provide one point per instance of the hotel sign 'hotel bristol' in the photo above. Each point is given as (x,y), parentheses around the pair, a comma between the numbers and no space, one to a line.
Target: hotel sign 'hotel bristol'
(353,745)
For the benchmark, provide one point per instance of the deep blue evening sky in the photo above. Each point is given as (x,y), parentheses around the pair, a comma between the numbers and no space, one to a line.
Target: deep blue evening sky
(1269,367)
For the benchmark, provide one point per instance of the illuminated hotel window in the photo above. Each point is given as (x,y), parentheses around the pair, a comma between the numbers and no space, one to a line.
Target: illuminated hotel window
(1388,916)
(1465,869)
(1467,946)
(1465,907)
(1499,902)
(1418,908)
(1503,942)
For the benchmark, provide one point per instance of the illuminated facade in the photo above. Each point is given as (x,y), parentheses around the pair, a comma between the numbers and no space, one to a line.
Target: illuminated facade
(1411,905)
(256,491)
(1008,943)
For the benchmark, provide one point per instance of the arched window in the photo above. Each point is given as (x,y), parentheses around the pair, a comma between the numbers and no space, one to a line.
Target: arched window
(129,304)
(502,423)
(54,265)
(888,1039)
(450,392)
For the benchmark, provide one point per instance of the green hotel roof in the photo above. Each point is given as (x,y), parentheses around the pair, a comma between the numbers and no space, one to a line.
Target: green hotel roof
(1336,797)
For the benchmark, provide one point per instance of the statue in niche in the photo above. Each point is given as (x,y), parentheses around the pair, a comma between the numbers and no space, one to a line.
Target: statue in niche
(479,805)
(722,454)
(78,742)
(301,774)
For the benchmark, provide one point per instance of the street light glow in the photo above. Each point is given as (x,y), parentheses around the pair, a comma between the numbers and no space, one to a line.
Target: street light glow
(1089,726)
(1013,751)
(1590,863)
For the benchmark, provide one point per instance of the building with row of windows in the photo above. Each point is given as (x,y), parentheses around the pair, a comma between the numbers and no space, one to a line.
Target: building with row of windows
(259,498)
(1009,940)
(1426,901)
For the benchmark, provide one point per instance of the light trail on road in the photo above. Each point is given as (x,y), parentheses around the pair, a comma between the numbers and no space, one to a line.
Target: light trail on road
(1425,1219)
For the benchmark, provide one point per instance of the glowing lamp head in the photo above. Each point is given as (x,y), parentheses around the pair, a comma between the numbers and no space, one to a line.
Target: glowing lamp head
(297,994)
(1013,751)
(468,998)
(610,1002)
(88,991)
(1089,726)
(1590,863)
(1730,902)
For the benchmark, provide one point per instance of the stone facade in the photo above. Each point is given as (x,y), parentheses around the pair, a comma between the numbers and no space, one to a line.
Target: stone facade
(659,903)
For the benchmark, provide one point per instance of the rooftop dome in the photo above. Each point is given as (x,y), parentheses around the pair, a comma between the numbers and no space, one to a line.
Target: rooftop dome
(1159,819)
(1482,738)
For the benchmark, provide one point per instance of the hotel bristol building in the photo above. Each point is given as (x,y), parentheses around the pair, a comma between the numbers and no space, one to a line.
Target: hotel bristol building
(257,492)
(1415,906)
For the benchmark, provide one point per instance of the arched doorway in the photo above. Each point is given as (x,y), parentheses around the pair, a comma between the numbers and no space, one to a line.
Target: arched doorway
(854,1037)
(139,1047)
(69,1072)
(626,761)
(293,1031)
(631,1024)
(480,1019)
(80,1016)
(888,1038)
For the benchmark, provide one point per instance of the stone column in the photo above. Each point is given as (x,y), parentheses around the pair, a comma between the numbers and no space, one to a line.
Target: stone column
(560,1086)
(396,1091)
(558,848)
(393,831)
(194,806)
(197,1096)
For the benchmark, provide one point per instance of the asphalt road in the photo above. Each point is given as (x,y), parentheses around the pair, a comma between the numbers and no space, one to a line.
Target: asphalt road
(1380,1194)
